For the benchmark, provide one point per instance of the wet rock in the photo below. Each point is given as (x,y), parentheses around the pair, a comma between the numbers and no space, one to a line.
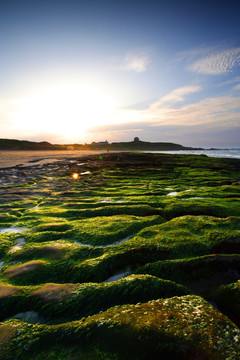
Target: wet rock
(31,317)
(119,275)
(54,292)
(13,229)
(20,270)
(7,291)
(19,243)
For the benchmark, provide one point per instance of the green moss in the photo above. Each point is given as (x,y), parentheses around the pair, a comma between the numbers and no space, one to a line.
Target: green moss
(227,298)
(7,218)
(218,207)
(6,241)
(57,227)
(179,328)
(68,302)
(124,215)
(201,274)
(107,230)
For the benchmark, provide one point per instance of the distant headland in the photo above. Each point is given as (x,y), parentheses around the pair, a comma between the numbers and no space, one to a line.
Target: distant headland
(136,144)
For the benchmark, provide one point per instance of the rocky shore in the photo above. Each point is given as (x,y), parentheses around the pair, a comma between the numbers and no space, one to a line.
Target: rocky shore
(120,256)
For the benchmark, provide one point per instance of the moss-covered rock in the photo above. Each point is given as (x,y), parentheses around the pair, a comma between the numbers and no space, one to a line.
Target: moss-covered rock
(171,221)
(68,302)
(227,298)
(178,328)
(201,274)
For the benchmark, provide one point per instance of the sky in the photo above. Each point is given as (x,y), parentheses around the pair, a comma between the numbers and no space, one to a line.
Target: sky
(94,70)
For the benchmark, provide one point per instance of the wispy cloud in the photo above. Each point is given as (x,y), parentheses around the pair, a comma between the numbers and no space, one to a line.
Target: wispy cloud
(231,81)
(217,62)
(221,110)
(237,87)
(213,120)
(137,62)
(177,95)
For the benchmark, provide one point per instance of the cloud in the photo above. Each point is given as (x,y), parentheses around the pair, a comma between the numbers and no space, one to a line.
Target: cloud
(237,87)
(223,110)
(220,112)
(210,134)
(177,95)
(137,62)
(231,81)
(218,62)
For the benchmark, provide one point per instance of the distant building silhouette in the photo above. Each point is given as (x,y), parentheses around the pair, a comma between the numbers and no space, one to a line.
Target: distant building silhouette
(136,139)
(100,143)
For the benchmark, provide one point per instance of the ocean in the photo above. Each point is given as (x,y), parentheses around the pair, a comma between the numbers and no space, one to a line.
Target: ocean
(31,158)
(220,153)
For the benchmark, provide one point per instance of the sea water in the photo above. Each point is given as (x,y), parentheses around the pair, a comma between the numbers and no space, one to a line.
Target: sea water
(220,153)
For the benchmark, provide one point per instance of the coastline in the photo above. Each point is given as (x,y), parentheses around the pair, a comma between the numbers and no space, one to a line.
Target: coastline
(10,158)
(27,168)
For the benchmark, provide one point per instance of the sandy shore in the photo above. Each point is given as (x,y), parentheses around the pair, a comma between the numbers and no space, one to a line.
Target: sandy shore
(30,158)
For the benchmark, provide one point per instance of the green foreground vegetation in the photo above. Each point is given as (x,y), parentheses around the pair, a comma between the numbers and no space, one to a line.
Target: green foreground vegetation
(137,258)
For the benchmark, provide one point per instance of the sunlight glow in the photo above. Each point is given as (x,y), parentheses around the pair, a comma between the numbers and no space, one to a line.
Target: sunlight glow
(75,176)
(67,110)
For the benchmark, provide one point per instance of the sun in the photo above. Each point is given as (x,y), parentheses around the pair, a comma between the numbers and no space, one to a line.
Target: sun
(68,110)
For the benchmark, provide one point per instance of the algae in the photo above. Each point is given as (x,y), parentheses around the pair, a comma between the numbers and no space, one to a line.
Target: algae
(119,215)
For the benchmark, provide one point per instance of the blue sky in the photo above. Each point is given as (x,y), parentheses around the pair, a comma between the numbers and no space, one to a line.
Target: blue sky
(82,71)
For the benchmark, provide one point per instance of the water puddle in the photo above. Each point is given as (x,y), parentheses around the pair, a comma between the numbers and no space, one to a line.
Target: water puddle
(108,245)
(174,193)
(120,241)
(13,229)
(82,244)
(194,197)
(39,162)
(31,317)
(19,243)
(119,275)
(106,200)
(213,281)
